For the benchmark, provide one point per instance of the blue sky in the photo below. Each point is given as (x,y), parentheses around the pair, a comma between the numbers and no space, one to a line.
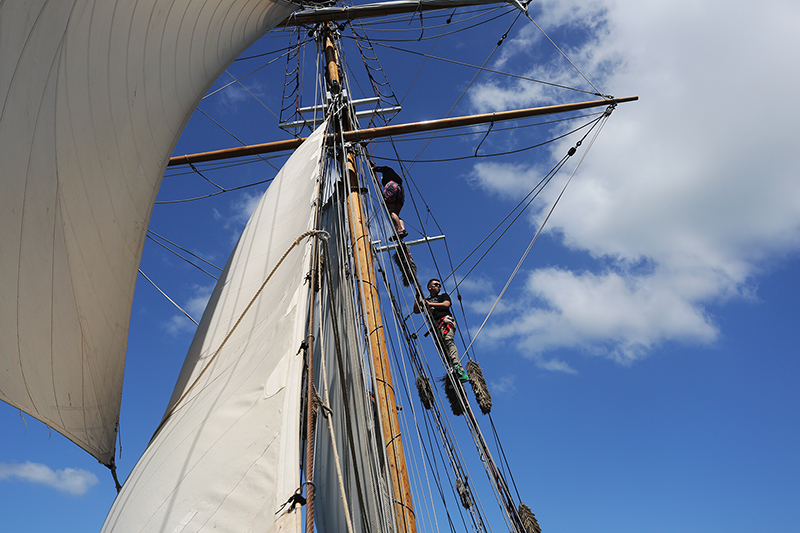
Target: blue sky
(644,362)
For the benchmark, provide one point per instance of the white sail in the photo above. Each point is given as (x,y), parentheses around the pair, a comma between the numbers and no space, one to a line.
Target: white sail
(226,456)
(93,97)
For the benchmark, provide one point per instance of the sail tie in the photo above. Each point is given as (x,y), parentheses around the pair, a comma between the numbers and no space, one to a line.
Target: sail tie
(294,500)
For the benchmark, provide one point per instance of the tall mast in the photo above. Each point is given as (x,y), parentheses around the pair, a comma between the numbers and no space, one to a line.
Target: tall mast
(370,301)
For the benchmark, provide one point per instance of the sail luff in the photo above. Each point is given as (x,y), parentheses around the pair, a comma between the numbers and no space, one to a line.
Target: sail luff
(311,395)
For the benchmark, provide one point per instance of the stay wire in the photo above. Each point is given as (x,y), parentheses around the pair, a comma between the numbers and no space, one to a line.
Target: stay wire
(498,154)
(464,92)
(229,132)
(492,71)
(183,249)
(539,231)
(288,50)
(198,267)
(566,57)
(222,164)
(530,197)
(499,446)
(215,193)
(168,298)
(471,12)
(256,98)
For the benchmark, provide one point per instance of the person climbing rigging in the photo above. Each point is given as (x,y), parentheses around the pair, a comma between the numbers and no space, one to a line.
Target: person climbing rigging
(394,197)
(438,304)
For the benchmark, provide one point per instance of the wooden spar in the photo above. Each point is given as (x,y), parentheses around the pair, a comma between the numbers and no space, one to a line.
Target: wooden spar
(332,14)
(398,129)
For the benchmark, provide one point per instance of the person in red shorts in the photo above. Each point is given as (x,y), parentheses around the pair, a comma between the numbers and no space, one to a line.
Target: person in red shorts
(394,197)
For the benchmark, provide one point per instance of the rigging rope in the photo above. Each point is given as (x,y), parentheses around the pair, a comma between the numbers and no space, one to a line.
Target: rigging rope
(506,12)
(492,71)
(539,231)
(180,256)
(435,413)
(168,298)
(566,57)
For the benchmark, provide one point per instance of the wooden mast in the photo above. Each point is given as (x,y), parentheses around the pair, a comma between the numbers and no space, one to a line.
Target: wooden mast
(370,300)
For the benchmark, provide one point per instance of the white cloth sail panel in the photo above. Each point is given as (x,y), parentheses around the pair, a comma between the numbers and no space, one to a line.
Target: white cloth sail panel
(93,97)
(227,455)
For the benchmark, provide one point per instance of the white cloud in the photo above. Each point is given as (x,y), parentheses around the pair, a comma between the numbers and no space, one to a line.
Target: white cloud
(502,385)
(697,181)
(71,480)
(625,316)
(239,213)
(244,206)
(231,97)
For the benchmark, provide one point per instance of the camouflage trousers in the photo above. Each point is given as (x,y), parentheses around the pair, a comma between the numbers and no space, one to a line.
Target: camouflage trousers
(446,330)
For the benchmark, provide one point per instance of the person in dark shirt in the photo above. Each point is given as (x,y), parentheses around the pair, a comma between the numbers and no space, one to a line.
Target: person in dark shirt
(438,305)
(394,197)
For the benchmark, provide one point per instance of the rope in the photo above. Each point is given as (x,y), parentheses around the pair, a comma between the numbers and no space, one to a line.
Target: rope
(492,71)
(536,189)
(198,267)
(149,231)
(218,192)
(565,56)
(168,298)
(541,227)
(324,235)
(343,381)
(497,154)
(504,13)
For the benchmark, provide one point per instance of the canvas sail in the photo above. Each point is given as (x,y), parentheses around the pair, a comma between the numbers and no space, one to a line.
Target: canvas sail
(93,97)
(226,457)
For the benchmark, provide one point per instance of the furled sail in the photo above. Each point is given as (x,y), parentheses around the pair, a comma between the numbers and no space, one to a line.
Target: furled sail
(226,456)
(352,485)
(93,97)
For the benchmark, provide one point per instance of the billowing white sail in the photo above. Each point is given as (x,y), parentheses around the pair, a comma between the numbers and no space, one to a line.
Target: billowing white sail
(93,97)
(226,457)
